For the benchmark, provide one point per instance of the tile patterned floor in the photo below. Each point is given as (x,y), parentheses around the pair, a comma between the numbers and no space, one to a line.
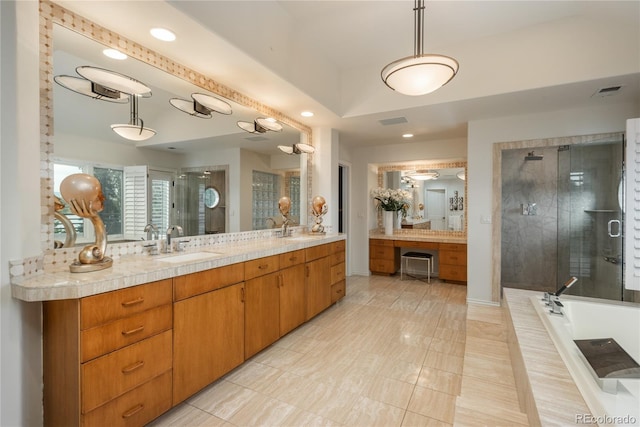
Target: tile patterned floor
(392,353)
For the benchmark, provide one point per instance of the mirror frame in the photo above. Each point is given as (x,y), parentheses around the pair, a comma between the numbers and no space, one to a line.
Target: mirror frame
(383,168)
(50,14)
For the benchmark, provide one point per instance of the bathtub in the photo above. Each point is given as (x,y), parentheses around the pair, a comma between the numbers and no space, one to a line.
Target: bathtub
(611,401)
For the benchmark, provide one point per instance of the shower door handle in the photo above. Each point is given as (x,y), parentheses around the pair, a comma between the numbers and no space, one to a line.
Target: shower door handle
(610,228)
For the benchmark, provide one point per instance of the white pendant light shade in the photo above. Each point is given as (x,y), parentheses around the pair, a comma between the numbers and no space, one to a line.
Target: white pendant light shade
(188,107)
(114,80)
(297,148)
(87,88)
(133,132)
(260,125)
(423,175)
(212,103)
(419,75)
(287,149)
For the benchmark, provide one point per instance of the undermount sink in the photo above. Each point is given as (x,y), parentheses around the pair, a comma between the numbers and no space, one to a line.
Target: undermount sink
(192,256)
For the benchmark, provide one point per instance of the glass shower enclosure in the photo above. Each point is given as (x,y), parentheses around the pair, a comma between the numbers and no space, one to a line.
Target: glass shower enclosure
(590,215)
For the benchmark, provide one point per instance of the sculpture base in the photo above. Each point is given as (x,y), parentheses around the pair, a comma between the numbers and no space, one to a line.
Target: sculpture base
(77,267)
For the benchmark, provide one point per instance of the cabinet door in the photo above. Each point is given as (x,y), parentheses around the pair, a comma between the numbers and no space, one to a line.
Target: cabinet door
(318,286)
(262,313)
(292,301)
(208,339)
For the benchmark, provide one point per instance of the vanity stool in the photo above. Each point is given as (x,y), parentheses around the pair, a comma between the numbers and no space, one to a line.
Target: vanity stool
(418,256)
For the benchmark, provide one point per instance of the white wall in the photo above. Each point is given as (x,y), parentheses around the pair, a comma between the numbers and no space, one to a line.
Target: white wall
(364,178)
(482,134)
(20,330)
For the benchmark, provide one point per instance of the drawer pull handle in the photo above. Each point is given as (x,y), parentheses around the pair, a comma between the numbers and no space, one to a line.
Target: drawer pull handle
(263,266)
(131,412)
(136,301)
(139,364)
(133,331)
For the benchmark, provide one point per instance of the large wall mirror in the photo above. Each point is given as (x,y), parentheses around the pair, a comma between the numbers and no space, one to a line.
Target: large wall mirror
(439,195)
(183,161)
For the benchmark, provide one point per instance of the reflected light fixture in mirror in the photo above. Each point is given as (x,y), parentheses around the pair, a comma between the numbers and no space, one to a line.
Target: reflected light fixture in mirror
(134,130)
(85,87)
(114,54)
(163,34)
(423,175)
(297,148)
(260,125)
(202,105)
(461,175)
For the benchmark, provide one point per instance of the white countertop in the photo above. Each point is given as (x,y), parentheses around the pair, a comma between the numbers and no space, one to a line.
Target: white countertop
(138,269)
(418,236)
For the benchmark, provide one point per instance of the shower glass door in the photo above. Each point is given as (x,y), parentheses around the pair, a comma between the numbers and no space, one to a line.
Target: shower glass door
(590,218)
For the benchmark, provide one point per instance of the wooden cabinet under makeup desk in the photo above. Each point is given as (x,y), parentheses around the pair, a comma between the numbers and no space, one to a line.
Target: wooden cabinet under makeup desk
(384,257)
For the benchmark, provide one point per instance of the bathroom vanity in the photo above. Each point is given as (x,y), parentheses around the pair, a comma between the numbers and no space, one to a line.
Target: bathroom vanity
(384,254)
(125,345)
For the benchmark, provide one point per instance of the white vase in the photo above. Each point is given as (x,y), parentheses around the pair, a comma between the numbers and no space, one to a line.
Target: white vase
(388,219)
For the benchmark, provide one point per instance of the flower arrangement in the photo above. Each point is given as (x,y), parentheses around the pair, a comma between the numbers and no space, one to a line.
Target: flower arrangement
(392,200)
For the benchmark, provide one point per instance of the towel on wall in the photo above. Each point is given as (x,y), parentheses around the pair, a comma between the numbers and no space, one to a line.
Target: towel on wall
(455,222)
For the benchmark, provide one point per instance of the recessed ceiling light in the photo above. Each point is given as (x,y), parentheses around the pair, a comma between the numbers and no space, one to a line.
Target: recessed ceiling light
(407,135)
(163,34)
(306,114)
(114,54)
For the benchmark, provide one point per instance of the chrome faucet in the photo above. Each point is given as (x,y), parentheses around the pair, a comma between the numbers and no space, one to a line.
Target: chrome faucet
(152,231)
(169,232)
(285,226)
(549,297)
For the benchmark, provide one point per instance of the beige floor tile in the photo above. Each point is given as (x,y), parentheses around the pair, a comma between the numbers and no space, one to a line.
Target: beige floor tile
(411,419)
(187,415)
(290,388)
(254,376)
(222,399)
(487,369)
(356,381)
(469,418)
(262,410)
(486,330)
(485,313)
(443,381)
(433,404)
(371,413)
(400,370)
(491,393)
(454,348)
(444,362)
(330,402)
(482,409)
(277,357)
(307,419)
(490,349)
(450,334)
(390,391)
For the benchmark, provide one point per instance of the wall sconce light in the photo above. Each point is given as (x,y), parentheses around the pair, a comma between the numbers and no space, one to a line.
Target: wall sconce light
(297,148)
(201,105)
(260,125)
(423,175)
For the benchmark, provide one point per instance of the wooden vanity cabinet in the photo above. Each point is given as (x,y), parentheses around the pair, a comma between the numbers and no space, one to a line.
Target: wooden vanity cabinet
(318,279)
(338,270)
(384,257)
(262,304)
(107,357)
(292,291)
(208,328)
(453,262)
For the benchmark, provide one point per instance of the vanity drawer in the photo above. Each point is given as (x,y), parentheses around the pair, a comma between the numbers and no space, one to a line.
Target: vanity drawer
(418,245)
(337,272)
(383,266)
(261,266)
(337,257)
(384,252)
(455,247)
(316,252)
(106,338)
(103,308)
(338,291)
(455,258)
(290,259)
(116,373)
(453,272)
(381,242)
(204,281)
(338,246)
(134,408)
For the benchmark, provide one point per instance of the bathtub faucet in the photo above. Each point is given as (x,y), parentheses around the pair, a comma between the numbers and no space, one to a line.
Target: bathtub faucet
(547,295)
(556,307)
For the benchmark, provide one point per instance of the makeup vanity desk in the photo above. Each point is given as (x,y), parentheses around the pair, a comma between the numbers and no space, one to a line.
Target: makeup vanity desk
(384,253)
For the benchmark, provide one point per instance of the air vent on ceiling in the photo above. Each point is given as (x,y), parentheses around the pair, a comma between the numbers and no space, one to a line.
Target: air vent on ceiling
(256,138)
(608,91)
(394,121)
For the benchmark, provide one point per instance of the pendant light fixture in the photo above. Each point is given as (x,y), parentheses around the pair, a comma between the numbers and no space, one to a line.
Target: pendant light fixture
(260,125)
(299,148)
(201,105)
(421,73)
(134,130)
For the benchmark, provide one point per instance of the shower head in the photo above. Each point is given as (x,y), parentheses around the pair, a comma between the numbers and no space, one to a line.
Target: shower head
(532,156)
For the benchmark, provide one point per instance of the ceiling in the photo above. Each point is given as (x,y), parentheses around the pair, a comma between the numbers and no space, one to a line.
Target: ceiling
(516,57)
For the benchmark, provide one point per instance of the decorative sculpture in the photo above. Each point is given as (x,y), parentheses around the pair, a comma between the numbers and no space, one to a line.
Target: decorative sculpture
(84,194)
(284,206)
(318,209)
(70,231)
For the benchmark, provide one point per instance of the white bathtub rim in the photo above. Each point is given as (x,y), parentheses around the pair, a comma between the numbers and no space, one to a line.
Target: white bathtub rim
(580,373)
